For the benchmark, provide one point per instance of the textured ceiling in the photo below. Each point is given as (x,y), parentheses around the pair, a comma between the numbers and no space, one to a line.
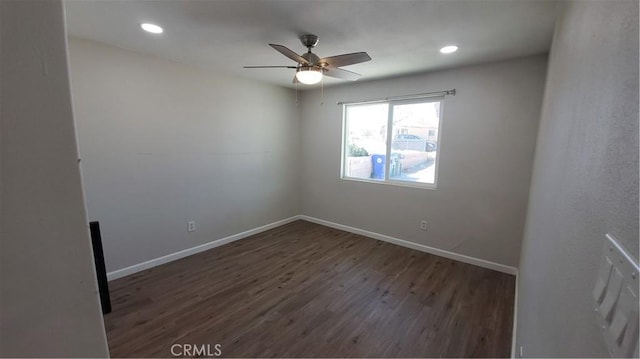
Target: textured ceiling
(401,36)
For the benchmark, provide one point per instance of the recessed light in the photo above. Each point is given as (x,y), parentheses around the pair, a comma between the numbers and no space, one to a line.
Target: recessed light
(449,49)
(152,28)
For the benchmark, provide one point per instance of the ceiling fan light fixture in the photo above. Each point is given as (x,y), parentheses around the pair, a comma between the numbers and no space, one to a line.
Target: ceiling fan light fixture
(309,75)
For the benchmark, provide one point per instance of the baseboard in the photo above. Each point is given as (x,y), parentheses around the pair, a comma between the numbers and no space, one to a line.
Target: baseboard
(420,247)
(515,321)
(197,249)
(439,252)
(222,241)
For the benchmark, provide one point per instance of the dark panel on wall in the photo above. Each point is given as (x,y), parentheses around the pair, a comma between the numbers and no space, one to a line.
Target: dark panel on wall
(101,272)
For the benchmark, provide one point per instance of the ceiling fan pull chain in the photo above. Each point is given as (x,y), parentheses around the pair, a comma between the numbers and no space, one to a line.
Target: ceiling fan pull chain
(322,91)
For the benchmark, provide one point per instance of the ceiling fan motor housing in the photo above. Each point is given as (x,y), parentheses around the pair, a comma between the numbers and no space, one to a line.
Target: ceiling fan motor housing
(313,59)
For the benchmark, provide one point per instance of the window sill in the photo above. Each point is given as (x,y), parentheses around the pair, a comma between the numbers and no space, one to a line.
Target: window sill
(393,183)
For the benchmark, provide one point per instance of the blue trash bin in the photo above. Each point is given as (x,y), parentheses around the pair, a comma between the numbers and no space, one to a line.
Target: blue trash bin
(378,166)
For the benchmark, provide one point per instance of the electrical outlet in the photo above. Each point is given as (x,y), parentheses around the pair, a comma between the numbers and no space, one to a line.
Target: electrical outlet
(191,226)
(423,225)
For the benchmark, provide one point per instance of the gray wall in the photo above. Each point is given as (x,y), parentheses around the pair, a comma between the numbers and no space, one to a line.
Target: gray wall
(49,304)
(585,180)
(162,143)
(487,145)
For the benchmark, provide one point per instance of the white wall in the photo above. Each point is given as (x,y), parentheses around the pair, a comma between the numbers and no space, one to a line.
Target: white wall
(486,154)
(585,180)
(49,304)
(163,143)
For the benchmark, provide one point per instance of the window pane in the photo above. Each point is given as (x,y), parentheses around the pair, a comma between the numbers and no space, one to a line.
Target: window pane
(365,141)
(415,142)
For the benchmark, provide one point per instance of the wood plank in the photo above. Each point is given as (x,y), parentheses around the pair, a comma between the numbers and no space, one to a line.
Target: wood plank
(305,290)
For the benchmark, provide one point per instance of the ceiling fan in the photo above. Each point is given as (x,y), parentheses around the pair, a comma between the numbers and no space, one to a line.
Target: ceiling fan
(310,67)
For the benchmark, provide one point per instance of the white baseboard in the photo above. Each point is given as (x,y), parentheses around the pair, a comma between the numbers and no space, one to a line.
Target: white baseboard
(420,247)
(515,322)
(219,242)
(197,249)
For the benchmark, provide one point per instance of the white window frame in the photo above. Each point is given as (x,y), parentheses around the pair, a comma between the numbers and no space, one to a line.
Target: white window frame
(387,180)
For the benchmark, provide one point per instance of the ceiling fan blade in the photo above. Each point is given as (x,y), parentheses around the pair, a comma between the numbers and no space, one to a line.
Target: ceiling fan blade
(341,74)
(290,54)
(346,59)
(269,67)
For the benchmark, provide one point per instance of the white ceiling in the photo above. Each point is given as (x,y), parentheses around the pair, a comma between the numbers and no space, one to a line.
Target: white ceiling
(401,36)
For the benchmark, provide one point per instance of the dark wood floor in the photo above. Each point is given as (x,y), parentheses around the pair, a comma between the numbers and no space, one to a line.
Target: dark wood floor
(304,290)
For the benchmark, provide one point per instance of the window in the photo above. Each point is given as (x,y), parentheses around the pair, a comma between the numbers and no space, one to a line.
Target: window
(392,142)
